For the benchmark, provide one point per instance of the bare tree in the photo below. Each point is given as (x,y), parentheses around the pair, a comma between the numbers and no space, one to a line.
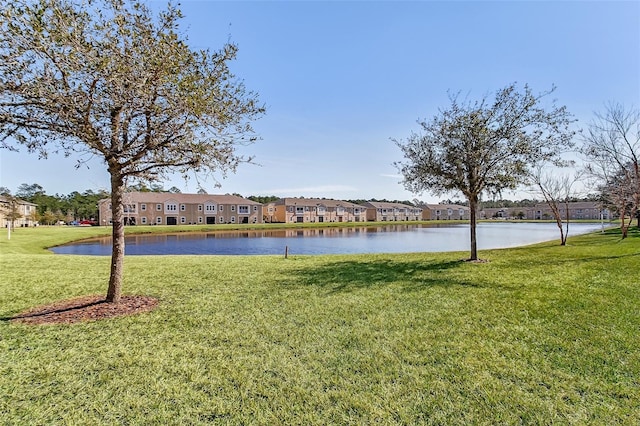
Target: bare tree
(619,192)
(484,146)
(108,78)
(11,211)
(557,190)
(612,147)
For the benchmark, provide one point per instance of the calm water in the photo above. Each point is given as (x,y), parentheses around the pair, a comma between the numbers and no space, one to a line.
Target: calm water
(382,239)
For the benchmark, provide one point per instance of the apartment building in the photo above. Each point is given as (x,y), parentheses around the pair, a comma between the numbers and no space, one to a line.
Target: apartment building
(577,210)
(542,211)
(379,211)
(164,208)
(313,210)
(23,212)
(444,212)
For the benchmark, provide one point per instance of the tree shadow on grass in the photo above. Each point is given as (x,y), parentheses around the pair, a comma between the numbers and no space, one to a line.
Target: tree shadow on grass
(345,276)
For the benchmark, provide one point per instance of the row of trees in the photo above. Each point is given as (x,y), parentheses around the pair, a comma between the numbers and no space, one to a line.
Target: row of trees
(78,206)
(55,208)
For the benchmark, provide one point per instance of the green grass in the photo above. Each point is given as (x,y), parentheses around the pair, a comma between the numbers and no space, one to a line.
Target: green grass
(538,335)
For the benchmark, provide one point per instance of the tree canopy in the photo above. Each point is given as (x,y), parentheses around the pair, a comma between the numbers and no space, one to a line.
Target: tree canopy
(485,146)
(108,78)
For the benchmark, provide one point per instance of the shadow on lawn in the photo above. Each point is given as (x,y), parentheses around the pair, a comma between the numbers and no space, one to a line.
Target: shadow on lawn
(352,275)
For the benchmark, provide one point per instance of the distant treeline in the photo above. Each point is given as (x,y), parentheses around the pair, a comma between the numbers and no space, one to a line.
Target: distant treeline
(79,206)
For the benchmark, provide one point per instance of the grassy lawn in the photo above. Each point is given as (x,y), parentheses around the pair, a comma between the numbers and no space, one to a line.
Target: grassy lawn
(538,335)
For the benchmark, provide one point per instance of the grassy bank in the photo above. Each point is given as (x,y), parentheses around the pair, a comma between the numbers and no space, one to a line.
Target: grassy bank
(538,335)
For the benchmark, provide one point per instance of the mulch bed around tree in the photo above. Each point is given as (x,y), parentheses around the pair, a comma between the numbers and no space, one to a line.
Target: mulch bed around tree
(86,308)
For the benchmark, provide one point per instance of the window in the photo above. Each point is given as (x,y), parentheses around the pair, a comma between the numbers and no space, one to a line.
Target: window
(159,220)
(243,209)
(183,207)
(340,210)
(129,208)
(171,207)
(255,208)
(143,207)
(199,219)
(233,208)
(158,207)
(220,219)
(233,219)
(183,219)
(221,208)
(210,208)
(199,207)
(143,220)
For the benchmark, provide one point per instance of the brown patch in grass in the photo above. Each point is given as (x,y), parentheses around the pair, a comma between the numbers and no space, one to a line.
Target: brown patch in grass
(475,260)
(86,308)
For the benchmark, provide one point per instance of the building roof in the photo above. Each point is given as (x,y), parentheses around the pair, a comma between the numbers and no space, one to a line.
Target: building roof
(444,206)
(388,205)
(574,205)
(314,202)
(161,197)
(5,199)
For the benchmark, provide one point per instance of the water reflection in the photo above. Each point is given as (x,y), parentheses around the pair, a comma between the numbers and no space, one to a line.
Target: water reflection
(373,239)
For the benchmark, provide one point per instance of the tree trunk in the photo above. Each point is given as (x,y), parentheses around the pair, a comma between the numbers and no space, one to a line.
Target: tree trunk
(564,235)
(552,203)
(117,234)
(624,227)
(473,208)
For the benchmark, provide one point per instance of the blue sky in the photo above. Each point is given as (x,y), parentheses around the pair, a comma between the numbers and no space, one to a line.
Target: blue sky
(341,78)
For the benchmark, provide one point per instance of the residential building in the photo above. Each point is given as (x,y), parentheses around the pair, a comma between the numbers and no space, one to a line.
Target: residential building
(379,211)
(542,211)
(24,209)
(444,212)
(313,210)
(165,208)
(577,210)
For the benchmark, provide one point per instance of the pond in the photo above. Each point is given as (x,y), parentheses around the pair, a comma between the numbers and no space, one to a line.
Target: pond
(348,240)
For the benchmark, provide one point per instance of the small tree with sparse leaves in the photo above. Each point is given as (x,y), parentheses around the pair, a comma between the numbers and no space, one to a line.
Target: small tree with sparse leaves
(486,146)
(108,78)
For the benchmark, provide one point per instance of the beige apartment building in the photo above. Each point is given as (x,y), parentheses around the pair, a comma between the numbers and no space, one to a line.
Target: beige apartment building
(379,211)
(313,210)
(164,208)
(445,212)
(542,211)
(24,210)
